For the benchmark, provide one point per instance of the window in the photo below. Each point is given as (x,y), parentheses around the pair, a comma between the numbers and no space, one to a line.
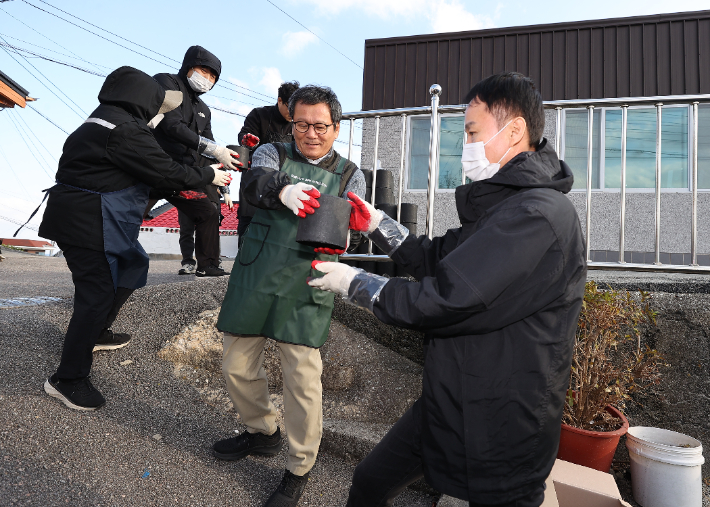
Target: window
(575,154)
(450,148)
(640,148)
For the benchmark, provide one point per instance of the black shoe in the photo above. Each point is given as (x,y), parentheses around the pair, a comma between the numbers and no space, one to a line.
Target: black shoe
(243,445)
(289,491)
(77,394)
(211,271)
(188,268)
(108,340)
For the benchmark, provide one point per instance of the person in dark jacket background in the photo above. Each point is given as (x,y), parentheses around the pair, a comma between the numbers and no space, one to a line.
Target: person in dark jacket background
(264,125)
(94,213)
(498,300)
(186,135)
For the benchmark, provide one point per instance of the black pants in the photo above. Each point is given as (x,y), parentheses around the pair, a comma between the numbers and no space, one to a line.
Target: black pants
(96,306)
(395,463)
(187,237)
(205,218)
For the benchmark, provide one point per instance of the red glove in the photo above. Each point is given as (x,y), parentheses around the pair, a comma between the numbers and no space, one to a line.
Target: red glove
(240,165)
(333,251)
(363,216)
(249,140)
(191,194)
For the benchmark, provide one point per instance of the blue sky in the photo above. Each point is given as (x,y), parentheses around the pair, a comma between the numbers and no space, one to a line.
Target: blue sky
(258,44)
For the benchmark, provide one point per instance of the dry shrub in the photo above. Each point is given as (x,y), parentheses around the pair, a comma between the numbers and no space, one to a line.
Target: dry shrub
(608,364)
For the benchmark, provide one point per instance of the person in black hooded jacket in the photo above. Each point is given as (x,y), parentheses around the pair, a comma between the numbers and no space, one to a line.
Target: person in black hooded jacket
(186,135)
(94,213)
(498,300)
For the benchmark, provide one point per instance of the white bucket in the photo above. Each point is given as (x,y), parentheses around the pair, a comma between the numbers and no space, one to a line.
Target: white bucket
(665,468)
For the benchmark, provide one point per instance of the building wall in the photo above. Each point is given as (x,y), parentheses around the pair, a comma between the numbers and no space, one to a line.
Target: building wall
(640,206)
(663,54)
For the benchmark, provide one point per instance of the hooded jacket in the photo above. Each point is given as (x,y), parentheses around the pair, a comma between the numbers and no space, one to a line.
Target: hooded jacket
(112,150)
(498,300)
(180,130)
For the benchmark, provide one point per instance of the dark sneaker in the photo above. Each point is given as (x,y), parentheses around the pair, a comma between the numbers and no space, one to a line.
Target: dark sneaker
(77,394)
(111,341)
(243,445)
(211,271)
(187,269)
(289,491)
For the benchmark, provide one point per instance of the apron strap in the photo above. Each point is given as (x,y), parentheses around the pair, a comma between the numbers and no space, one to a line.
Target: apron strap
(46,193)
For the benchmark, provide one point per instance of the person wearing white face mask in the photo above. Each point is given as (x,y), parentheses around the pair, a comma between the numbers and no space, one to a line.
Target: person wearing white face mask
(186,135)
(497,300)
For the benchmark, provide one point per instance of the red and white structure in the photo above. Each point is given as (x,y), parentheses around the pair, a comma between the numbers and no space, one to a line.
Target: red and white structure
(161,234)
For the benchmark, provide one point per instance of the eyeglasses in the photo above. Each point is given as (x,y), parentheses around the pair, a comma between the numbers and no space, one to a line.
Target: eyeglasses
(318,128)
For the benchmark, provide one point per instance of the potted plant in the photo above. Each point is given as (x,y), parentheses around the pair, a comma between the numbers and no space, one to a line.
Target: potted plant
(608,365)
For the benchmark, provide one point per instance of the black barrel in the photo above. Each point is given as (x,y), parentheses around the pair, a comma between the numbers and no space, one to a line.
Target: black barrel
(411,226)
(328,226)
(384,196)
(389,209)
(243,152)
(385,179)
(368,177)
(408,212)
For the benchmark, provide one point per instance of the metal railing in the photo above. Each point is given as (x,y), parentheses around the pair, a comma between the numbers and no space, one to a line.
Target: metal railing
(435,110)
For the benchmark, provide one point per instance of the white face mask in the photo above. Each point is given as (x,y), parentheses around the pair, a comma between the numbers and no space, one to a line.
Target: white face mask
(199,83)
(156,119)
(476,166)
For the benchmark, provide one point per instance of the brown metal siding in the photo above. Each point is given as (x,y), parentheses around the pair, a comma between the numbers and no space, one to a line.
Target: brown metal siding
(644,56)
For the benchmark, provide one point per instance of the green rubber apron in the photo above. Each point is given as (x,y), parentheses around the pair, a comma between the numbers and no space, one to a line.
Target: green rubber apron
(267,293)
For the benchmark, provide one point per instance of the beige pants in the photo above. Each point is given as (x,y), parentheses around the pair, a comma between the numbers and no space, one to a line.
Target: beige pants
(242,366)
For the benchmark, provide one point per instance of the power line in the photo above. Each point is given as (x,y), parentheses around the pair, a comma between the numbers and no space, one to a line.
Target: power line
(93,33)
(95,26)
(52,50)
(13,171)
(13,221)
(223,85)
(50,40)
(18,50)
(50,121)
(19,63)
(227,111)
(28,147)
(19,117)
(304,26)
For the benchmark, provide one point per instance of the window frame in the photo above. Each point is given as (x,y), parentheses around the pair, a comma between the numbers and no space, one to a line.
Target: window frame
(602,151)
(407,154)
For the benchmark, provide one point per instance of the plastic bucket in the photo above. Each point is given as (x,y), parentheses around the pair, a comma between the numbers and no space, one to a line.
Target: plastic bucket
(665,467)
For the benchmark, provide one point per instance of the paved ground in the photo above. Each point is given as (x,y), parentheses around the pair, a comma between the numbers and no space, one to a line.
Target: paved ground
(150,445)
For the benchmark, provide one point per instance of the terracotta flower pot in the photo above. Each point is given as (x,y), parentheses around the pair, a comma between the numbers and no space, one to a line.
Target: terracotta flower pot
(593,449)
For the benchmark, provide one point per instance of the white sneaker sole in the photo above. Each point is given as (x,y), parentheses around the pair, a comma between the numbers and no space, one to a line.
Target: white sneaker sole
(110,347)
(50,390)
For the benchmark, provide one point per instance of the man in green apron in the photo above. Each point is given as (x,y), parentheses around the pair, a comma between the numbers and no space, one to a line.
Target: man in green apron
(268,297)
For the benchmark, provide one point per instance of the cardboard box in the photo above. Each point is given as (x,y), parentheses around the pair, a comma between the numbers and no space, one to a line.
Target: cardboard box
(571,485)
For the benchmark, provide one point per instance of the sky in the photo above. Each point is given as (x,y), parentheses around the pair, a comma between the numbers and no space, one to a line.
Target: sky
(260,43)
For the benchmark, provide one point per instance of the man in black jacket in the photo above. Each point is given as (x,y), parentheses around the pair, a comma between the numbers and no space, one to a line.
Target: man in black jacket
(94,213)
(186,135)
(498,300)
(264,125)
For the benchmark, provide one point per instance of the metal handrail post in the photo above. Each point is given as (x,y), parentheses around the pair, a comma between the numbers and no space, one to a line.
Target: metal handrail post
(659,130)
(374,170)
(622,225)
(350,142)
(401,168)
(558,132)
(590,125)
(434,91)
(694,173)
(463,173)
